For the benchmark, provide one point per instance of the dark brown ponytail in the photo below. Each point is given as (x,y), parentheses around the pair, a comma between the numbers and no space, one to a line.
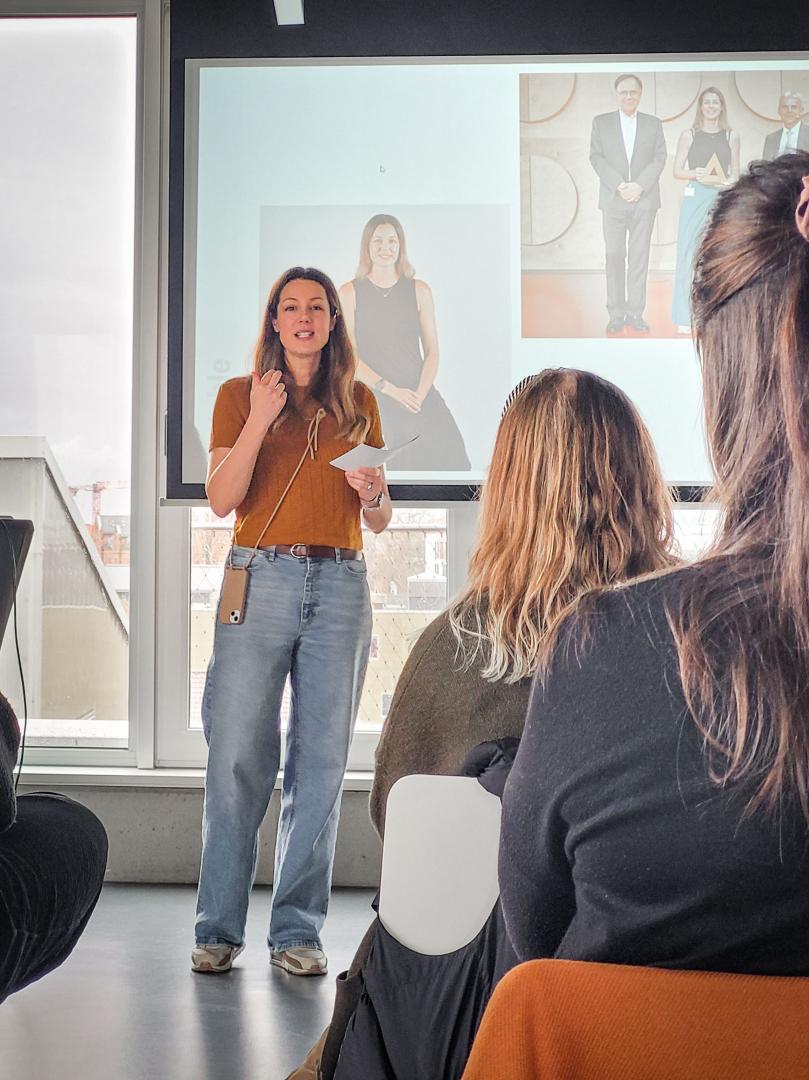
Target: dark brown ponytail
(742,626)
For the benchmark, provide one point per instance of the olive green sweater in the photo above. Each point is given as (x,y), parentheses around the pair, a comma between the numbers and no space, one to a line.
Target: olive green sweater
(439,713)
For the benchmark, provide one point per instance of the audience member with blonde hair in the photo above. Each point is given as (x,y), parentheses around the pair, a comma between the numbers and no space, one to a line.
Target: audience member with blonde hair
(657,810)
(574,501)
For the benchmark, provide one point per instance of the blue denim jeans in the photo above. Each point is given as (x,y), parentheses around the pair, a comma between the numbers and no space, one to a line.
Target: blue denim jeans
(309,619)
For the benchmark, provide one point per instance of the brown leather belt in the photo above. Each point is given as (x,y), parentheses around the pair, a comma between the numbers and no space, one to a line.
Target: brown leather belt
(316,551)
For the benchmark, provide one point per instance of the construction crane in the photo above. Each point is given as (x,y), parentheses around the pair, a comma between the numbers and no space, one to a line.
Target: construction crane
(97,487)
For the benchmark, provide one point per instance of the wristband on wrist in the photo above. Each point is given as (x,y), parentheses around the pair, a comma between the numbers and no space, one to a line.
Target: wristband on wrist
(375,503)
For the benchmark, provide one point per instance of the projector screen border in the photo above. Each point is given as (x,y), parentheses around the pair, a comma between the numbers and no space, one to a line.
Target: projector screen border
(182,214)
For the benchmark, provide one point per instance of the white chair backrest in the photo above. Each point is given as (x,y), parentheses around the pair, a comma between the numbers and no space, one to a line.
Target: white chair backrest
(439,862)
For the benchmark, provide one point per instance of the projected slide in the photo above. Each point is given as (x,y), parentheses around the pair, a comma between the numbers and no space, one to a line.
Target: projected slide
(482,220)
(597,253)
(399,274)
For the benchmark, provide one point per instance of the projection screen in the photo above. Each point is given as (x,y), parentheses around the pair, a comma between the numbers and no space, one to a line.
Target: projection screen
(498,176)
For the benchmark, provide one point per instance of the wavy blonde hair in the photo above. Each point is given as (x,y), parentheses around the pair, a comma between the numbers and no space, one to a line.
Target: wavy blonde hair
(574,501)
(333,384)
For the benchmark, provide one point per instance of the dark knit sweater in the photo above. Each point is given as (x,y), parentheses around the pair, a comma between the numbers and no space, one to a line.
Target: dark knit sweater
(439,713)
(615,847)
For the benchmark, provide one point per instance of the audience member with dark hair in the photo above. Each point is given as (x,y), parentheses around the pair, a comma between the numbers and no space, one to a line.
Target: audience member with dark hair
(574,500)
(53,853)
(657,810)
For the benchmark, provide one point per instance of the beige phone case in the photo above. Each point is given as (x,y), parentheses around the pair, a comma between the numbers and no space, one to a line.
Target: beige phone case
(234,594)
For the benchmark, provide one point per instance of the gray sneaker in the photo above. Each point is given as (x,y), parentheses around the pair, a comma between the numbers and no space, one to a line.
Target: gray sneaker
(301,961)
(213,959)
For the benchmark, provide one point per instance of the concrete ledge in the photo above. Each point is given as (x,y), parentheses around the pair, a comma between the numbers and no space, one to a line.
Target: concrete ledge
(39,776)
(154,827)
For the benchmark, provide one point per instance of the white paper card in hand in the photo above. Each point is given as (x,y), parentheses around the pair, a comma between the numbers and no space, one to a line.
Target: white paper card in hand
(368,457)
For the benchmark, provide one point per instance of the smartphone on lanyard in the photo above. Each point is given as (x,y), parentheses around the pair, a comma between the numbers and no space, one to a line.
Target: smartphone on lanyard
(234,595)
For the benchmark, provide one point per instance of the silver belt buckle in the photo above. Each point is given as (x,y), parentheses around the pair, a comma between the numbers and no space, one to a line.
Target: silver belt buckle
(294,554)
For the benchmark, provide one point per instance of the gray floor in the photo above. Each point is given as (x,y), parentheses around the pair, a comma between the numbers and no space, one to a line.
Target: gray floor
(125,1005)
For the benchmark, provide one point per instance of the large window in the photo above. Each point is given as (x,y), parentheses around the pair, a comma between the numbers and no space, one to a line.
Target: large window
(117,604)
(407,576)
(408,568)
(68,88)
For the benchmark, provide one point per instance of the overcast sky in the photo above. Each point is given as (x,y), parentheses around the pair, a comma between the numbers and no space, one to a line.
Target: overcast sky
(67,133)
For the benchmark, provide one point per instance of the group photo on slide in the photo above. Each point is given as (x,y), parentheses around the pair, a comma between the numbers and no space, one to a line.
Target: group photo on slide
(619,173)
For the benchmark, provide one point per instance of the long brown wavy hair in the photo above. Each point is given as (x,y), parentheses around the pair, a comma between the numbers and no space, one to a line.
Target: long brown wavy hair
(333,384)
(742,623)
(574,501)
(404,267)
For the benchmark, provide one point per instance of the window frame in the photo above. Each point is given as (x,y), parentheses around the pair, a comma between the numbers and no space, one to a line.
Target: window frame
(159,736)
(179,746)
(150,146)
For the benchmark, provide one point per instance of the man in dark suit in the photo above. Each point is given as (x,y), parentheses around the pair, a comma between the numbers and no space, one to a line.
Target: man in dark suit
(794,135)
(628,151)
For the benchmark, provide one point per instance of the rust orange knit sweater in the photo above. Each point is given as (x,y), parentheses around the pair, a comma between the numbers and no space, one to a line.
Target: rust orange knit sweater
(320,507)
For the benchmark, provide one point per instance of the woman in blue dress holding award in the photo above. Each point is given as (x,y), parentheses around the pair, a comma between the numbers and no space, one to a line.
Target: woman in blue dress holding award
(707,158)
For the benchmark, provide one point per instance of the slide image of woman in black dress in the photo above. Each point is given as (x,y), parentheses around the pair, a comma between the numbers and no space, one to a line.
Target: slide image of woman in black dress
(709,140)
(390,316)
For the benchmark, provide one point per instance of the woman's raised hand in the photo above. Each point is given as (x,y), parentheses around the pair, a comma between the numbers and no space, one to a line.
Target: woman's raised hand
(268,395)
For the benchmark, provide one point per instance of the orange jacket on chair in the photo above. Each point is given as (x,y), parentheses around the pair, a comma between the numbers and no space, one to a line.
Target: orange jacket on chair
(570,1020)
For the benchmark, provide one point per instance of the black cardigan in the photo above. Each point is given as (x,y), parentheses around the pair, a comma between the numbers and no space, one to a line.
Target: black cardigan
(615,847)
